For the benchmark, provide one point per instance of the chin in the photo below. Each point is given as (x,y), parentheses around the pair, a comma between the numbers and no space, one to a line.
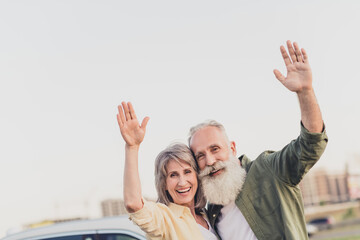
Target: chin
(186,201)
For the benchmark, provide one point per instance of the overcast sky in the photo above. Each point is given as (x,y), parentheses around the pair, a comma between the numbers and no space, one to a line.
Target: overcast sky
(66,65)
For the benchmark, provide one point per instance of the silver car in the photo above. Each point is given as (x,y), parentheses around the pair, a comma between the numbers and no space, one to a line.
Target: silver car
(109,228)
(311,229)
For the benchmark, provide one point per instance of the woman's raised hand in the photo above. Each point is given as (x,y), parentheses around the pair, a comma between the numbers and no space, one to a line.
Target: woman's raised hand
(132,133)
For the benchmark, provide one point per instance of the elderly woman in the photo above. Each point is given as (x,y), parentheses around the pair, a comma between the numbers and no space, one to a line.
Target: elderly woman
(178,213)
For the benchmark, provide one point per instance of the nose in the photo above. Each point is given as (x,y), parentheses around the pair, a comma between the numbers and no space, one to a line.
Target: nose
(182,180)
(210,160)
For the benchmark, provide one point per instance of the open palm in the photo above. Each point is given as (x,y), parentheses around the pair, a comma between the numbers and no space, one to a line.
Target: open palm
(299,76)
(132,133)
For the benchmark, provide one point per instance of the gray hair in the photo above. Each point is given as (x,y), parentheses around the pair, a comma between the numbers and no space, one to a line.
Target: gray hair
(208,123)
(178,152)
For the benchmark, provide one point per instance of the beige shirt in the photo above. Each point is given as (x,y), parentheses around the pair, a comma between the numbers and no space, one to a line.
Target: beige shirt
(166,222)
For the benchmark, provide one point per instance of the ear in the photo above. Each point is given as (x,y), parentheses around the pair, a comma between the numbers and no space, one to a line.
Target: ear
(233,148)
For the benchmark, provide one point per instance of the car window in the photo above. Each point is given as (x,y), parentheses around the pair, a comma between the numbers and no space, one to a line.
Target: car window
(319,220)
(116,236)
(73,237)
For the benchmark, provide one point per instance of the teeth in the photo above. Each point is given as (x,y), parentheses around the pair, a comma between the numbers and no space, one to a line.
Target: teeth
(183,190)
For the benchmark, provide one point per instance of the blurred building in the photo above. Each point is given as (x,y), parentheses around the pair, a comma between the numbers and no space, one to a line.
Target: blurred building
(113,207)
(319,187)
(354,186)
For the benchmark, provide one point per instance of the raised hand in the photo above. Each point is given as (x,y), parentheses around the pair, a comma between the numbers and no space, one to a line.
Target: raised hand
(132,133)
(299,76)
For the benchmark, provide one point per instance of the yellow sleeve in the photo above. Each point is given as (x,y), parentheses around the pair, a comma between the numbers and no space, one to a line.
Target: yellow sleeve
(151,219)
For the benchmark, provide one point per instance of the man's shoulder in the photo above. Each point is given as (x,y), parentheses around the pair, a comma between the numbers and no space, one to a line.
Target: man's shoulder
(246,162)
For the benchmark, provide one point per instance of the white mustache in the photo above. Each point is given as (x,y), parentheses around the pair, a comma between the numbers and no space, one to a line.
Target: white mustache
(213,168)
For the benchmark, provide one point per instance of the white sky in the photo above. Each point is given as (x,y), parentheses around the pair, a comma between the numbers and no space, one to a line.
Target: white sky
(66,65)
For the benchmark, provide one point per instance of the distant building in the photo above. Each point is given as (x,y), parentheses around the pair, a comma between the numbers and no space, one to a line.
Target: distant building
(319,187)
(354,187)
(114,207)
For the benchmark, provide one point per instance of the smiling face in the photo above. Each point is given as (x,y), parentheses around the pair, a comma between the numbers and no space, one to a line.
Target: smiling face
(210,145)
(181,182)
(220,170)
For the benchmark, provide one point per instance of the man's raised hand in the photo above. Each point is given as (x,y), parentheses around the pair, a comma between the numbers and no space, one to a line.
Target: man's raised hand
(299,76)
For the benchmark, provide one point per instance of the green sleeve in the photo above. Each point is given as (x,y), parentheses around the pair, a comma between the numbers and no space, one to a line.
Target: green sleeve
(292,162)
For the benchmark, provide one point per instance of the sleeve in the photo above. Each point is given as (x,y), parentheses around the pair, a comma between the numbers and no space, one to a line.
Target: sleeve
(151,219)
(292,162)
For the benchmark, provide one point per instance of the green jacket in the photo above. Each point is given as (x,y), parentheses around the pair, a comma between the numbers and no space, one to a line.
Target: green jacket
(270,199)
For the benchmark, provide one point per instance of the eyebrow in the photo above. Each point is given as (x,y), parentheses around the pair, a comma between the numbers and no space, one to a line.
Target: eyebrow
(171,172)
(185,168)
(210,146)
(214,145)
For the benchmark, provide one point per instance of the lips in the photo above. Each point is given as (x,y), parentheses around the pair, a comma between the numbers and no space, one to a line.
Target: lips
(185,190)
(215,172)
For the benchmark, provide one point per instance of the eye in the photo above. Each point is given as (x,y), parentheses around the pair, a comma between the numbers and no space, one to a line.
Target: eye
(215,149)
(200,156)
(187,171)
(172,175)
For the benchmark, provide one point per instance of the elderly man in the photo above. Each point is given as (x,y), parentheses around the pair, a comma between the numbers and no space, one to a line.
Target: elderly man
(260,199)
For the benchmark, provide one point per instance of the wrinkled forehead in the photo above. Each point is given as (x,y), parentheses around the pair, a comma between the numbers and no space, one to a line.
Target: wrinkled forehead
(206,137)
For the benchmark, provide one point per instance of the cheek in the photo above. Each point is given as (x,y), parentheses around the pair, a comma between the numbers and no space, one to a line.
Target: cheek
(168,184)
(194,180)
(201,165)
(223,156)
(171,183)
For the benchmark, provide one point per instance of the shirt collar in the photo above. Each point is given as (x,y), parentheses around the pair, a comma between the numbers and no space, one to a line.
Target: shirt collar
(178,210)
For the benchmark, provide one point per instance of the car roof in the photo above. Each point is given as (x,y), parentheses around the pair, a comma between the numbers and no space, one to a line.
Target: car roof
(101,225)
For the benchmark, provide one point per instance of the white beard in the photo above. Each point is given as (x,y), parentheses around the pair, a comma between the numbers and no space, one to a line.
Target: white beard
(224,188)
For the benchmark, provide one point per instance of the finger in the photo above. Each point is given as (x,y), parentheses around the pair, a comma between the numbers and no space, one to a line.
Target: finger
(121,116)
(285,56)
(298,53)
(126,111)
(291,51)
(306,58)
(279,76)
(144,123)
(132,111)
(119,120)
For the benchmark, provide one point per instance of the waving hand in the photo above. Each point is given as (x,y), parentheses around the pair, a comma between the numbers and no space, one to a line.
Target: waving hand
(299,76)
(299,80)
(132,133)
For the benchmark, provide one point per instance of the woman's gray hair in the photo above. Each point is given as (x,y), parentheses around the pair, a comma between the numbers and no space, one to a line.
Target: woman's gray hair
(208,123)
(178,152)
